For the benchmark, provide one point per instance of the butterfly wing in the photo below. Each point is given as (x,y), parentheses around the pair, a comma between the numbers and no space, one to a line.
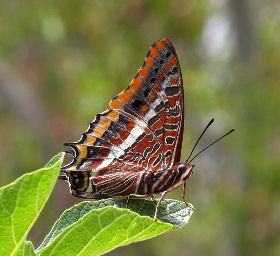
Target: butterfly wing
(156,98)
(140,131)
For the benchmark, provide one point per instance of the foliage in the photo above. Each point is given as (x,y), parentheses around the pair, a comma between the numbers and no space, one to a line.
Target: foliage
(21,203)
(88,228)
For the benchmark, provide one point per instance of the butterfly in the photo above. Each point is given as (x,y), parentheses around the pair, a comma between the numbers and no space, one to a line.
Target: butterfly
(133,148)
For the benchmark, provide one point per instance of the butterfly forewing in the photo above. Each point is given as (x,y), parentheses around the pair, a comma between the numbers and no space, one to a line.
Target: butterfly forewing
(141,131)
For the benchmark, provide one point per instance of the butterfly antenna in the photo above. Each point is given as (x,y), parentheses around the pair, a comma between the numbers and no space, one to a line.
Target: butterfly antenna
(207,126)
(232,130)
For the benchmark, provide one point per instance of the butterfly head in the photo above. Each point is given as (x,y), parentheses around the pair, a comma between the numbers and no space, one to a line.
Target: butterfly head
(178,175)
(184,171)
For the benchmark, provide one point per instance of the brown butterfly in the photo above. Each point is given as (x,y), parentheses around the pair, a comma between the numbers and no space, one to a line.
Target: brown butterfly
(133,148)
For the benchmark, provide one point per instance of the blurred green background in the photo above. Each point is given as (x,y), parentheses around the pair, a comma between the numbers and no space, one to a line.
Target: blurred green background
(62,61)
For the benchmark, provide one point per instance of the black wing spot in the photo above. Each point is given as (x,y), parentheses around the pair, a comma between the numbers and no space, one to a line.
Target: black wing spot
(167,153)
(171,127)
(107,136)
(123,119)
(146,151)
(159,107)
(159,131)
(169,140)
(174,70)
(171,91)
(146,92)
(137,104)
(128,110)
(153,120)
(155,148)
(92,151)
(152,80)
(114,127)
(157,160)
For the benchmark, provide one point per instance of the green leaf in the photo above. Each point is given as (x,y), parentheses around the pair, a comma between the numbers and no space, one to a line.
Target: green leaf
(20,204)
(94,228)
(26,249)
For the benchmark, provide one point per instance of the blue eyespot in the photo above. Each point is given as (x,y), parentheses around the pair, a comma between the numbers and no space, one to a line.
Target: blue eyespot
(77,180)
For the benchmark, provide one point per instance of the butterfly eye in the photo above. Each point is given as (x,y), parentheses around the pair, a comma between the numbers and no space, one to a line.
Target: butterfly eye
(182,168)
(79,180)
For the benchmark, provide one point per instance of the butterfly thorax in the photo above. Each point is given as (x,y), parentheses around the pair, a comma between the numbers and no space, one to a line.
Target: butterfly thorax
(170,179)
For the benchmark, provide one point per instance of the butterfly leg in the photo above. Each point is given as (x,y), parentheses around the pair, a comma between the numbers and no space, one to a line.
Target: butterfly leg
(184,196)
(159,203)
(127,200)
